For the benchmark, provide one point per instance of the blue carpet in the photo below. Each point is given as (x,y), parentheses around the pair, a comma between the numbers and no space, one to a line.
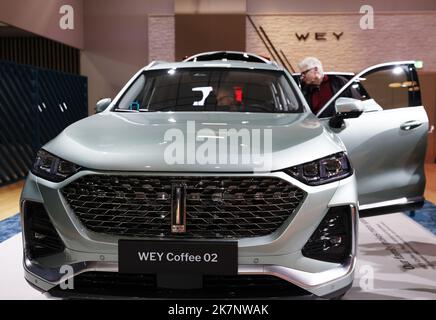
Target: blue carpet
(10,227)
(425,216)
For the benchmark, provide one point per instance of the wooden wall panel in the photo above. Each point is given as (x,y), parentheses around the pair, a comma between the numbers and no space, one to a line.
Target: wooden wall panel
(197,33)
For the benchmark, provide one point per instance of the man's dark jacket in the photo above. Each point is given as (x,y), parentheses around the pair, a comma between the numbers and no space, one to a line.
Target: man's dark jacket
(336,83)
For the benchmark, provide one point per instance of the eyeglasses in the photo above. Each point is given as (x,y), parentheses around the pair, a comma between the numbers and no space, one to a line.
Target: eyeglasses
(303,74)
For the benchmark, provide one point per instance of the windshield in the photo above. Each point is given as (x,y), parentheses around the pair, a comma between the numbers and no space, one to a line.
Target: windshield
(228,90)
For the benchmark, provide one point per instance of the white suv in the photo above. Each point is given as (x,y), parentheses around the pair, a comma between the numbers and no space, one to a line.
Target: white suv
(213,176)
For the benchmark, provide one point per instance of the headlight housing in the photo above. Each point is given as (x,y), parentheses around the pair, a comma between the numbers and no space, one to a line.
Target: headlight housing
(52,168)
(322,171)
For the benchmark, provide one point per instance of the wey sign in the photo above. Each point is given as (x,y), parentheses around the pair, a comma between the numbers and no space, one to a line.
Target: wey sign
(319,36)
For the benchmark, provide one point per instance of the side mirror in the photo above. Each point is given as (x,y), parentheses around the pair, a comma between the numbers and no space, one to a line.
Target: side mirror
(346,108)
(102,105)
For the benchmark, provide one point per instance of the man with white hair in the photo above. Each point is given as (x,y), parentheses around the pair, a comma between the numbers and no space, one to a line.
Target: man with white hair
(317,87)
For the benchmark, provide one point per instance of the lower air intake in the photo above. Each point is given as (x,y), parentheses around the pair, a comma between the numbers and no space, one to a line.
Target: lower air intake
(332,240)
(40,235)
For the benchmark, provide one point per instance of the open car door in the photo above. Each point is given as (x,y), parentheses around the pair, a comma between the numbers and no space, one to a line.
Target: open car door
(379,116)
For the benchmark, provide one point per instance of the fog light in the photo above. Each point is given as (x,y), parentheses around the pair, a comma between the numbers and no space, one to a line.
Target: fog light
(332,240)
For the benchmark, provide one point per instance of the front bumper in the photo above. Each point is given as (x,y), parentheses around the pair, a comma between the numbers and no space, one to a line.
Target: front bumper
(278,254)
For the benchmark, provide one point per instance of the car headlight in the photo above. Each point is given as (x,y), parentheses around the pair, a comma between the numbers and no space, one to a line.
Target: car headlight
(322,171)
(52,168)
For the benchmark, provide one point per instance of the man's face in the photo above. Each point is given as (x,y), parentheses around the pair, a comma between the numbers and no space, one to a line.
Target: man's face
(310,76)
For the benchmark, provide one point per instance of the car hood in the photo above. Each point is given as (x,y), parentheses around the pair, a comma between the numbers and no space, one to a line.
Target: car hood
(184,141)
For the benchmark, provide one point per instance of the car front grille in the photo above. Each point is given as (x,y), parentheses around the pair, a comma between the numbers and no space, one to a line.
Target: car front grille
(217,207)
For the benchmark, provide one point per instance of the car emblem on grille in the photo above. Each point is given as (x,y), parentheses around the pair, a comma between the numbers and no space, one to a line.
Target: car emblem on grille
(178,208)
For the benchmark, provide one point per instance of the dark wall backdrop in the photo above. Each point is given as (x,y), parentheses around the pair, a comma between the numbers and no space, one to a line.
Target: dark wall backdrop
(40,52)
(35,105)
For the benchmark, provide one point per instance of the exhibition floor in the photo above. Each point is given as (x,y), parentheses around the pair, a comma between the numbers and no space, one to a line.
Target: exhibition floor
(397,260)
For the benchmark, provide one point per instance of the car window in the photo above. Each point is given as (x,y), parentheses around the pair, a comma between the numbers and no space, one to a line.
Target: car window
(212,89)
(132,93)
(390,87)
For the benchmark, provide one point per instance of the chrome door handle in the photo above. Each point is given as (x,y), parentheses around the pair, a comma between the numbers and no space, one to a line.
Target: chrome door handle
(409,125)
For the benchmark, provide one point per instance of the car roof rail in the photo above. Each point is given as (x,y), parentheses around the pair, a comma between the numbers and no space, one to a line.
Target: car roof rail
(228,55)
(155,62)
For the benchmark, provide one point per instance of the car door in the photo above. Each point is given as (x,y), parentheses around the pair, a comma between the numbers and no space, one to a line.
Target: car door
(387,142)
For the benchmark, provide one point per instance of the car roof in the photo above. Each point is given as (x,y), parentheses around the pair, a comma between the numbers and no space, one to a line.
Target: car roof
(214,64)
(219,59)
(228,55)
